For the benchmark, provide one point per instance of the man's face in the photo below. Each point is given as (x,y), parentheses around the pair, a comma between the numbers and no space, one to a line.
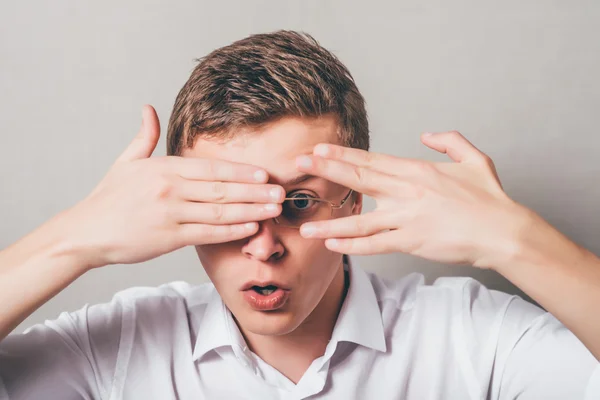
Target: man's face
(304,267)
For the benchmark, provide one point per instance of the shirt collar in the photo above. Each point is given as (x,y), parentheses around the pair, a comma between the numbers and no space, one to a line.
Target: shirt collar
(217,329)
(359,320)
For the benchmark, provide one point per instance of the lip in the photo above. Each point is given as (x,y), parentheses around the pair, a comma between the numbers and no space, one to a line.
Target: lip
(260,302)
(248,285)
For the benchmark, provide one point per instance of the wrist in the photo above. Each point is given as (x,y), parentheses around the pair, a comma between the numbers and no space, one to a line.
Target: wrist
(529,240)
(511,237)
(59,240)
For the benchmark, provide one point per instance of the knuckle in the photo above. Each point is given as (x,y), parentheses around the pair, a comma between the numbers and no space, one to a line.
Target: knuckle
(371,242)
(230,231)
(360,226)
(218,212)
(164,189)
(210,168)
(360,174)
(225,232)
(337,151)
(418,192)
(369,158)
(218,191)
(209,230)
(487,160)
(425,167)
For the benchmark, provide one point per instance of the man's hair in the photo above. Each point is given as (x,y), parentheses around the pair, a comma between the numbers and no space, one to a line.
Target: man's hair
(261,78)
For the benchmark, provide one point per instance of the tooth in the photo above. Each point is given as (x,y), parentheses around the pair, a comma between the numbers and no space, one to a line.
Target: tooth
(266,292)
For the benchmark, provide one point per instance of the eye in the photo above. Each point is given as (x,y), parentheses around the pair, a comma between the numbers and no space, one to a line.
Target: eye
(300,201)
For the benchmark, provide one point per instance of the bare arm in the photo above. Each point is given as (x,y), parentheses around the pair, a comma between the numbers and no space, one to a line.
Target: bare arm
(34,270)
(143,208)
(561,276)
(458,213)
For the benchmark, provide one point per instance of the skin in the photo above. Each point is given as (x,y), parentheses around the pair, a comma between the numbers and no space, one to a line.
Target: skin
(456,212)
(144,207)
(147,206)
(289,338)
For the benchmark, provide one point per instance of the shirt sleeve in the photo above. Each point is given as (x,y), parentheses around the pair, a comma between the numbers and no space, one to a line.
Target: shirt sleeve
(520,351)
(71,357)
(537,357)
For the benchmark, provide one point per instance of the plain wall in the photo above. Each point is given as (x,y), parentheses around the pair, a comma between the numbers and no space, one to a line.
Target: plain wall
(519,78)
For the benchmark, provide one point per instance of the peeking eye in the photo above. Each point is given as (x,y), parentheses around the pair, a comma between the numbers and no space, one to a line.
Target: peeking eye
(300,201)
(300,207)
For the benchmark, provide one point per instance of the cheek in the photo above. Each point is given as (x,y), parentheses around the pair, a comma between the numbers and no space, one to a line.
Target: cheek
(318,265)
(215,258)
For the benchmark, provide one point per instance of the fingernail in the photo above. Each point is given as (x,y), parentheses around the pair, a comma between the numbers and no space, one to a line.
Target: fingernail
(275,194)
(428,134)
(260,176)
(308,230)
(270,207)
(304,162)
(250,225)
(321,150)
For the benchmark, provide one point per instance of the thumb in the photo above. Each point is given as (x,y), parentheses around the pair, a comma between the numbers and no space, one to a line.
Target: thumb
(145,141)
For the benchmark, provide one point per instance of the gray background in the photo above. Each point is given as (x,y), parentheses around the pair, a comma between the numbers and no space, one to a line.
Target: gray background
(518,78)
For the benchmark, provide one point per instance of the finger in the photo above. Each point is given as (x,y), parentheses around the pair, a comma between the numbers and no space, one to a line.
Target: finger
(195,234)
(456,146)
(229,192)
(216,170)
(380,243)
(224,214)
(380,162)
(352,226)
(145,141)
(362,179)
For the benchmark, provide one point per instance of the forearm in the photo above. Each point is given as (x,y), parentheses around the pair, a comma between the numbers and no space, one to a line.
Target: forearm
(35,269)
(561,276)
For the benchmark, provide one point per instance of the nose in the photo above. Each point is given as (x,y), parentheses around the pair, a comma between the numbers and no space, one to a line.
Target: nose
(264,245)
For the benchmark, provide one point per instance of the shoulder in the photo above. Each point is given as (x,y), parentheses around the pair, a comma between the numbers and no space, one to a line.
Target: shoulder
(102,325)
(147,306)
(460,303)
(87,344)
(169,293)
(455,294)
(397,293)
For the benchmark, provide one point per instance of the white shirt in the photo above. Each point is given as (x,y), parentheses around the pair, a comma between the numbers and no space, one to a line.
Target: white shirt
(400,339)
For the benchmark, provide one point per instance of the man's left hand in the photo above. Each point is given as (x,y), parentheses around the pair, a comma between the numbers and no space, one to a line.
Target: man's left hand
(452,212)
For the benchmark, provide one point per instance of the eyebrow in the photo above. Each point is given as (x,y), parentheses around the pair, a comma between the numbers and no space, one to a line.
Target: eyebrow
(297,180)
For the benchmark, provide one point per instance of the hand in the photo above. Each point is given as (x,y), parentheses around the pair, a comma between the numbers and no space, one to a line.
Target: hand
(448,212)
(146,207)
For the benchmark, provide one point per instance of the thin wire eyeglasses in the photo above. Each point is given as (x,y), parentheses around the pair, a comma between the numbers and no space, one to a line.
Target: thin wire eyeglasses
(293,217)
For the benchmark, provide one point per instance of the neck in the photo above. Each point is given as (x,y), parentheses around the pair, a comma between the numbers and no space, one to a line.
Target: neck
(292,353)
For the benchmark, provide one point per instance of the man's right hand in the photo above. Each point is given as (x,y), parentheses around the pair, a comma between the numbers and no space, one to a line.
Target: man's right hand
(145,207)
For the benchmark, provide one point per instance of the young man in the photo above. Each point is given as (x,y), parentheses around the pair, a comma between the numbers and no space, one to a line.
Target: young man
(266,171)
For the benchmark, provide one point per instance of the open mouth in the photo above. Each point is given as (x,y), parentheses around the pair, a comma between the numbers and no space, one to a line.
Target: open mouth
(266,298)
(264,290)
